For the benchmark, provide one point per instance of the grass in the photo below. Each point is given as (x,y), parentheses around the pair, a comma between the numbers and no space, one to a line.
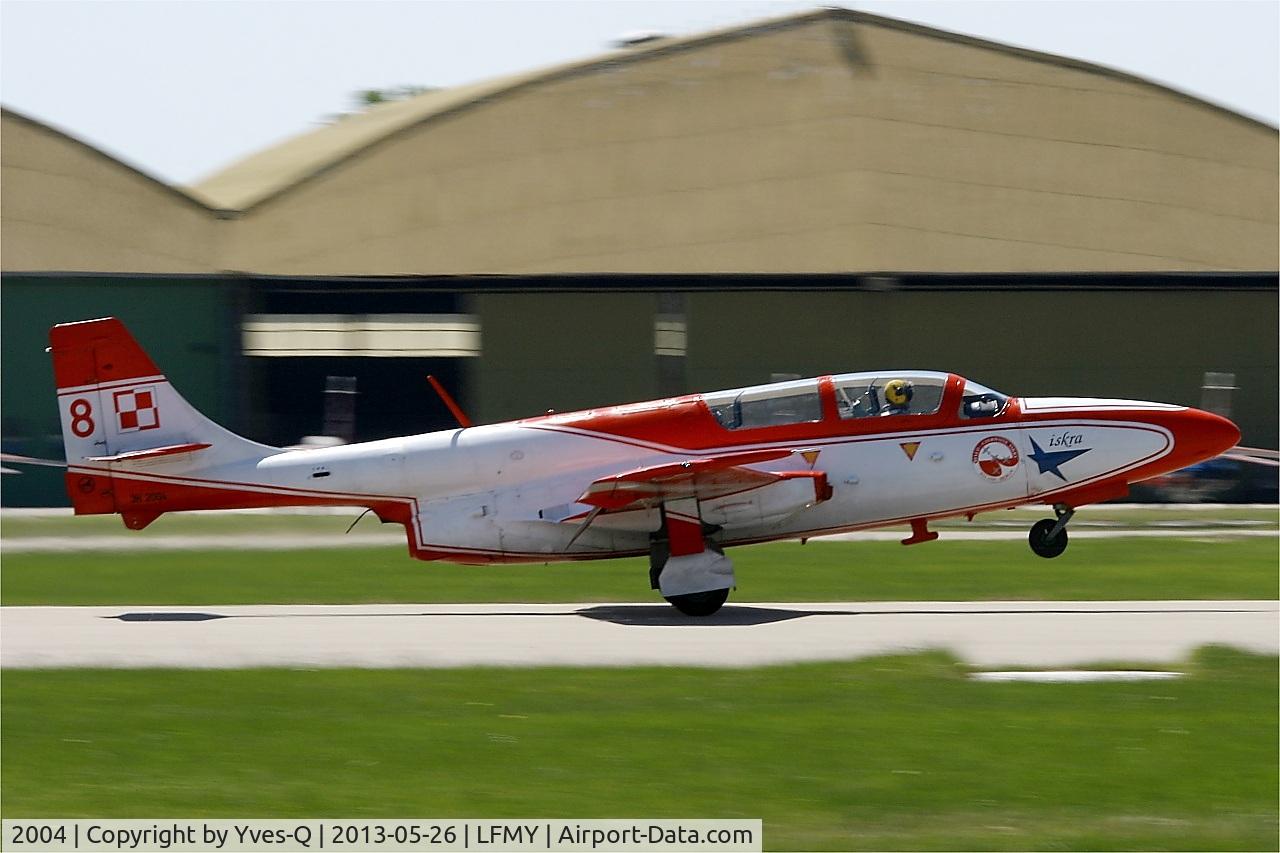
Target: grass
(1106,569)
(17,526)
(890,753)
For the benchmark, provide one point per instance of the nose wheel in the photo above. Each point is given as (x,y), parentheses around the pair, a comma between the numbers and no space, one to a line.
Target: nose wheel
(1048,537)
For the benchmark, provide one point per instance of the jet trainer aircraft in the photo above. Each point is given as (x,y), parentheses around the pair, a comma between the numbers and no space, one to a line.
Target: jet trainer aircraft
(678,479)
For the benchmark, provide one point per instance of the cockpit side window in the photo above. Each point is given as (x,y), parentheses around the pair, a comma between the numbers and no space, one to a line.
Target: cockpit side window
(864,395)
(767,405)
(979,401)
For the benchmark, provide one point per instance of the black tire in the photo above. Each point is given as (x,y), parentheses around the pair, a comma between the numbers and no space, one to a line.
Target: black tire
(1042,544)
(699,603)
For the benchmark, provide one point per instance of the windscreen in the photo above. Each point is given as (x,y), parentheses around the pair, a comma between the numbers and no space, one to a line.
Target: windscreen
(979,401)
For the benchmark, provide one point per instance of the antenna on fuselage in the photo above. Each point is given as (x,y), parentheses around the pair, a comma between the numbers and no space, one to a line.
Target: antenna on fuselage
(461,416)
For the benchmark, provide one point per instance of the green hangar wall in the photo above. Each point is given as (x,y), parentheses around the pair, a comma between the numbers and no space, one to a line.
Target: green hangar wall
(1150,338)
(188,326)
(570,342)
(563,351)
(1014,341)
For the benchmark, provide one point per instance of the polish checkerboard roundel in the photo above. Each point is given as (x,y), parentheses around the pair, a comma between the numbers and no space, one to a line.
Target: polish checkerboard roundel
(136,409)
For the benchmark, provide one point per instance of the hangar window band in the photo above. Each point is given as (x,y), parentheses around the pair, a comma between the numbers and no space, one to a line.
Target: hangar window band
(362,336)
(670,335)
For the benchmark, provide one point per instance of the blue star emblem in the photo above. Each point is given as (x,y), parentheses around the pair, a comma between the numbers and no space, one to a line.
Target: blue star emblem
(1049,462)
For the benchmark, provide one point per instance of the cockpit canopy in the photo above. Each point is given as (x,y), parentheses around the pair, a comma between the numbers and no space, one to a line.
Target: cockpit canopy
(889,392)
(979,401)
(857,395)
(766,405)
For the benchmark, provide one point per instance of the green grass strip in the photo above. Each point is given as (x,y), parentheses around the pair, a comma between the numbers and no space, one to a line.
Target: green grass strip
(1098,569)
(16,526)
(890,753)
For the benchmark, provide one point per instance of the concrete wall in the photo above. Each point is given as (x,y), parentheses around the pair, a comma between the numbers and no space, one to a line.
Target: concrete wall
(68,207)
(827,145)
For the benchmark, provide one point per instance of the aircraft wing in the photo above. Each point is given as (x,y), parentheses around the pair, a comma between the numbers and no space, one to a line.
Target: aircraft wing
(1255,455)
(703,478)
(31,460)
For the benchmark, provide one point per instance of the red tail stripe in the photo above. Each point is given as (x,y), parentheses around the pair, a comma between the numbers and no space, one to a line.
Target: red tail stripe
(112,386)
(97,351)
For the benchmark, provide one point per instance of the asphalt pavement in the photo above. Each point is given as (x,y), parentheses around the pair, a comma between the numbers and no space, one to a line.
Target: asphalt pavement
(987,634)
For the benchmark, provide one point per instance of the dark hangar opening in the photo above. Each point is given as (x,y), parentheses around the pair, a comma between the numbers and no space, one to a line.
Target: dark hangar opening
(301,337)
(392,395)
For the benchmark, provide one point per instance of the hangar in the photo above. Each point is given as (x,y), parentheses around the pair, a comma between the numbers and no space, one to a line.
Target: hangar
(823,192)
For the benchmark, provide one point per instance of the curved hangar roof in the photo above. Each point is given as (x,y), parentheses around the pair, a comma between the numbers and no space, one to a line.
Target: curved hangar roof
(68,206)
(828,141)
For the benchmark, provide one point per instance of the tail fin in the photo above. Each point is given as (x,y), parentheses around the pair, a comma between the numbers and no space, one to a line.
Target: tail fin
(120,414)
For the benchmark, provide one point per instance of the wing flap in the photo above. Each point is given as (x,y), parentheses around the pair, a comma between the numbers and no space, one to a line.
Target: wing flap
(702,478)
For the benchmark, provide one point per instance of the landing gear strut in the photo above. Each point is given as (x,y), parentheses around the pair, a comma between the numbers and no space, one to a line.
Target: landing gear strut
(692,573)
(1048,537)
(692,603)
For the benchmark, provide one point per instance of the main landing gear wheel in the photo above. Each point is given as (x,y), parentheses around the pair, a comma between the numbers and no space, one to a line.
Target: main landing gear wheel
(690,604)
(699,603)
(1043,539)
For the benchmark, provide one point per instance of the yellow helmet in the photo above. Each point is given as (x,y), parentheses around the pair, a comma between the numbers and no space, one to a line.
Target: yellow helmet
(897,392)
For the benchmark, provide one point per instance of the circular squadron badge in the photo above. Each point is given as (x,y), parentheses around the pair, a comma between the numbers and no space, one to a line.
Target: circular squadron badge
(995,457)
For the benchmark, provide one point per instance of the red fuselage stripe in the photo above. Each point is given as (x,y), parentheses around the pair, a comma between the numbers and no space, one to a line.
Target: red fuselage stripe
(499,556)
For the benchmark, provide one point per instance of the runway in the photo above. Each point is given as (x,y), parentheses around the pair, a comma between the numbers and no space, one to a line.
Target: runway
(987,634)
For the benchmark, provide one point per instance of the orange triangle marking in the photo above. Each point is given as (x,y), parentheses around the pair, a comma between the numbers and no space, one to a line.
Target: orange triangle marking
(810,456)
(910,448)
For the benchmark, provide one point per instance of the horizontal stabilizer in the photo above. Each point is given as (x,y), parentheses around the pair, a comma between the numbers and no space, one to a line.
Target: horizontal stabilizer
(151,453)
(31,460)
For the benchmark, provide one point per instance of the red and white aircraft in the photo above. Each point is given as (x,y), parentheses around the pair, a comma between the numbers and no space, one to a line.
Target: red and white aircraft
(679,479)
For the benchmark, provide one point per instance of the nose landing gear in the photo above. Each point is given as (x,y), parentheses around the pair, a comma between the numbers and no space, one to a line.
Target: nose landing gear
(1048,537)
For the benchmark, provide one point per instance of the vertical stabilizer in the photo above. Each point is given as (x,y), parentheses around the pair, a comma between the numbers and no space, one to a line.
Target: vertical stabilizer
(120,416)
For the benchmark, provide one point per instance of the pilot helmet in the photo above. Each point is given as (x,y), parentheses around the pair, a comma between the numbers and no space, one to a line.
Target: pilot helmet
(898,392)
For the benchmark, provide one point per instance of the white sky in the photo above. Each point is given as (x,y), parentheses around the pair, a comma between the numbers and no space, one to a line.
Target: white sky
(179,89)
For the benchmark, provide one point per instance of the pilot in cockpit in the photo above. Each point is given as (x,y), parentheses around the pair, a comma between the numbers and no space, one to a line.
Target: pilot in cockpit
(897,397)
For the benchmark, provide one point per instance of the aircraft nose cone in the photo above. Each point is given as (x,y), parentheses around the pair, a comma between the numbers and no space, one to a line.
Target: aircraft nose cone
(1202,435)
